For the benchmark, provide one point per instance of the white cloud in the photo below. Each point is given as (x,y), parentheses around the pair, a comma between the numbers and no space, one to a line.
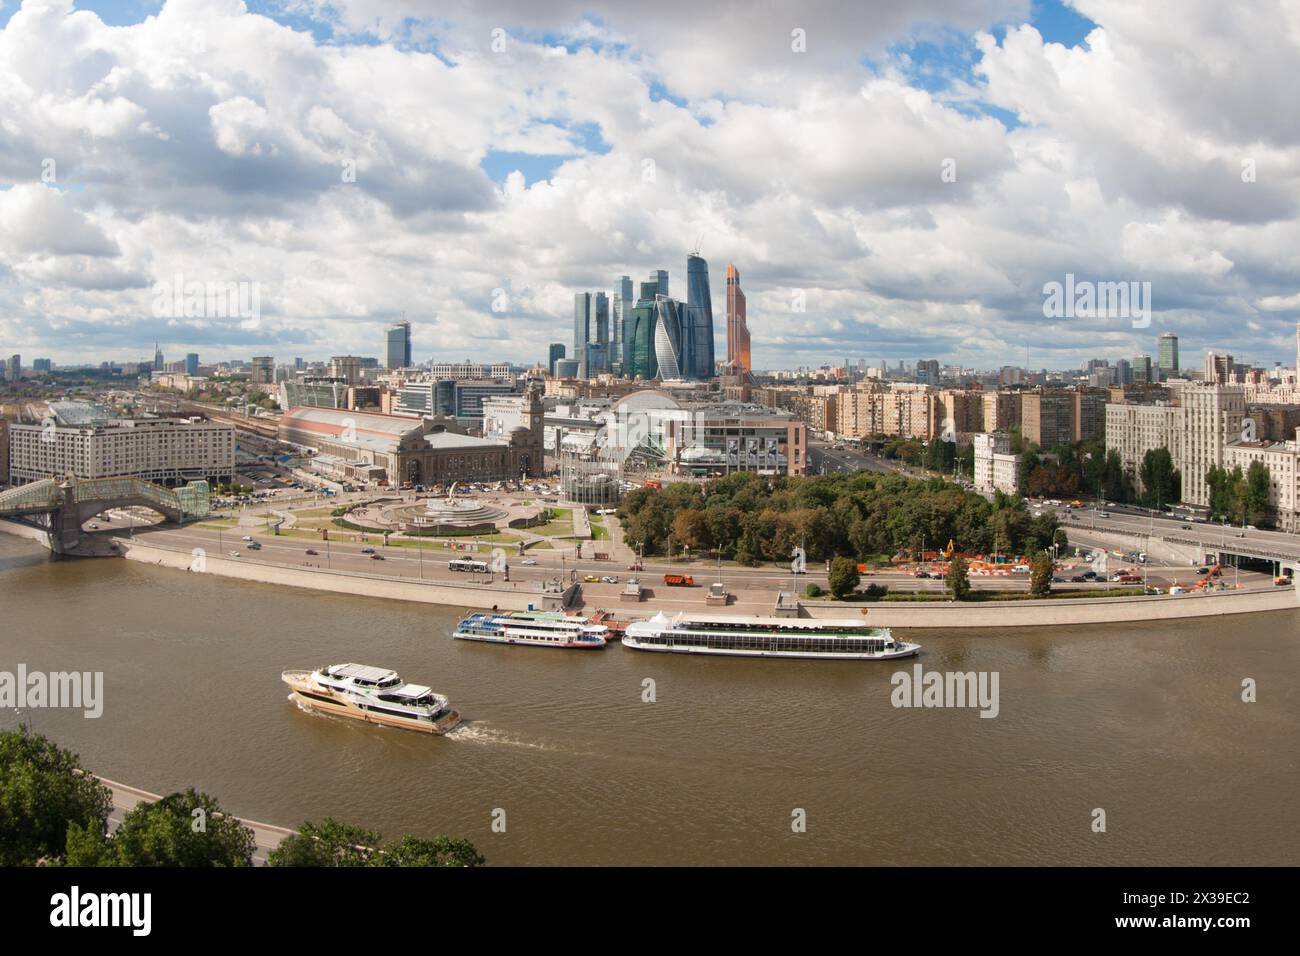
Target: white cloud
(212,142)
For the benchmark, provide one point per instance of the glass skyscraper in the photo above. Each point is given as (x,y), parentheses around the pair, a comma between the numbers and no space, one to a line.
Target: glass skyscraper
(639,336)
(697,324)
(669,338)
(619,306)
(397,343)
(1167,357)
(581,330)
(591,328)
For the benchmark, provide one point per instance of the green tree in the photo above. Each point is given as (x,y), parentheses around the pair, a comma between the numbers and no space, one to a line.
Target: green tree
(325,844)
(1161,483)
(1255,497)
(843,577)
(183,829)
(439,851)
(958,578)
(340,844)
(1040,574)
(44,791)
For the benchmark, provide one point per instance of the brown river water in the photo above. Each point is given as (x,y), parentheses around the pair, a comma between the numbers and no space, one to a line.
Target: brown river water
(1143,721)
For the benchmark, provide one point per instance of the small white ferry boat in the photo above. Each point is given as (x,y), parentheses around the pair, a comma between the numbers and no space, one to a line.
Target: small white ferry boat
(373,694)
(738,636)
(532,628)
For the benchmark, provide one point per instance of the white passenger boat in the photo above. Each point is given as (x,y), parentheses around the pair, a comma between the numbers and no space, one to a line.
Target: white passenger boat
(738,636)
(532,628)
(373,694)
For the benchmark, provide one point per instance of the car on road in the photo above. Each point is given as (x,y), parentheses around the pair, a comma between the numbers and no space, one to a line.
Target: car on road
(1241,534)
(528,562)
(234,554)
(247,537)
(94,527)
(609,579)
(1090,575)
(1078,579)
(1187,527)
(367,550)
(1202,570)
(591,579)
(312,551)
(376,557)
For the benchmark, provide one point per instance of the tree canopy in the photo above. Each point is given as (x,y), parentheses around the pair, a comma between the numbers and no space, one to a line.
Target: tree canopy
(43,789)
(858,515)
(331,843)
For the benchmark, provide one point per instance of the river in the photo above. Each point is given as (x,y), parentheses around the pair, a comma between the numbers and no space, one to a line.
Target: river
(1145,722)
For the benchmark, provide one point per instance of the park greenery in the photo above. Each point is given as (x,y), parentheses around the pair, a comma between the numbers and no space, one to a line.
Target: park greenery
(863,516)
(331,843)
(1237,497)
(54,813)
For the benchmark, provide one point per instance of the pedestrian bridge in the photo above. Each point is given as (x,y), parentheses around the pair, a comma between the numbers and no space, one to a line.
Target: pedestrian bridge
(62,506)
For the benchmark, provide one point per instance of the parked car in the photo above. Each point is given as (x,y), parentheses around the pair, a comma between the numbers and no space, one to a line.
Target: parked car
(1090,575)
(1078,579)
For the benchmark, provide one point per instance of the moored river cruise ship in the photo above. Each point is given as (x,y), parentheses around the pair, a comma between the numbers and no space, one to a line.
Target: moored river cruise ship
(373,694)
(533,629)
(738,636)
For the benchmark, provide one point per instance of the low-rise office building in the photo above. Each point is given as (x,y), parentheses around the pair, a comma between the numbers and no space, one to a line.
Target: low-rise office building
(399,450)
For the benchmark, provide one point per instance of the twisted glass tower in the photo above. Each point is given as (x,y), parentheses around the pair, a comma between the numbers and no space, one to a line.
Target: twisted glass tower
(697,326)
(668,338)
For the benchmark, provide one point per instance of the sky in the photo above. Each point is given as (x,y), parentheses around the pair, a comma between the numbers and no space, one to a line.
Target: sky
(892,181)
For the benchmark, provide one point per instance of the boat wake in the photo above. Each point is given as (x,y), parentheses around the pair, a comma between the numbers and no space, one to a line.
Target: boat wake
(477,732)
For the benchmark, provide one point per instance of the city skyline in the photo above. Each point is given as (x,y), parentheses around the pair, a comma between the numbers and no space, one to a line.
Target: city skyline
(918,245)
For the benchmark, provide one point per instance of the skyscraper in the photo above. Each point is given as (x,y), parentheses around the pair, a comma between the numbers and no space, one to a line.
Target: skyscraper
(581,329)
(1168,355)
(591,328)
(670,335)
(639,335)
(397,341)
(556,353)
(157,358)
(660,278)
(623,301)
(192,363)
(738,357)
(697,324)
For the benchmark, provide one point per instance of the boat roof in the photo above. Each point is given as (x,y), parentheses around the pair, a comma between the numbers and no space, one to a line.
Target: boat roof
(363,671)
(411,690)
(811,623)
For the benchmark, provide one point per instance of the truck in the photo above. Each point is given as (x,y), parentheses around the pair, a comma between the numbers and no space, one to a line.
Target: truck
(679,580)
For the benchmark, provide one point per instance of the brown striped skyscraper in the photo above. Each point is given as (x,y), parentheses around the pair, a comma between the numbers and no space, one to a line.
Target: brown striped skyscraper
(738,360)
